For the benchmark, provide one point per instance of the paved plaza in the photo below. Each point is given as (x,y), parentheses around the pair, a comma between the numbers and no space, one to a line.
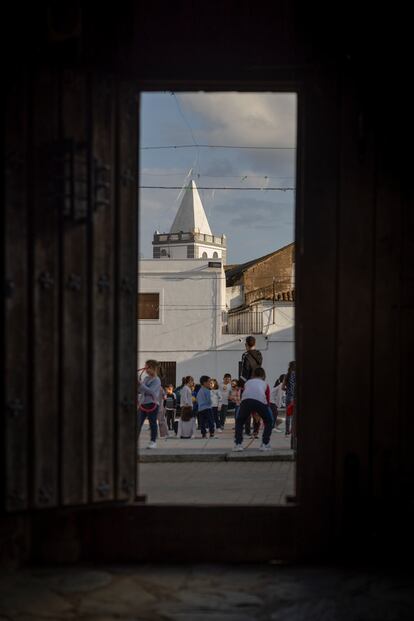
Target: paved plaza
(217,483)
(207,471)
(219,448)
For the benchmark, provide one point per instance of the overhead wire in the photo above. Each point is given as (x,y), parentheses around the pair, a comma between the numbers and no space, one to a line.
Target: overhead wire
(214,146)
(255,189)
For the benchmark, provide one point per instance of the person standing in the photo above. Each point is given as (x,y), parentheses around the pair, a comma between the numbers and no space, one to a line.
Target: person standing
(149,389)
(224,392)
(177,392)
(215,401)
(204,407)
(276,402)
(170,401)
(251,360)
(289,384)
(186,400)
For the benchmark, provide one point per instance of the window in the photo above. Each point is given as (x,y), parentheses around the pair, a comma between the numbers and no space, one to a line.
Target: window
(190,252)
(148,305)
(204,255)
(169,373)
(164,253)
(215,255)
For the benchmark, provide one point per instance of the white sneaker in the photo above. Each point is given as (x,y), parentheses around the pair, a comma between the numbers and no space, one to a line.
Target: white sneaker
(219,430)
(276,430)
(265,447)
(152,445)
(238,447)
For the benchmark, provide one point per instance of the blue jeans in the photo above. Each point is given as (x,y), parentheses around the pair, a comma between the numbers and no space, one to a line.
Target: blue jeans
(246,408)
(222,415)
(216,417)
(206,420)
(152,418)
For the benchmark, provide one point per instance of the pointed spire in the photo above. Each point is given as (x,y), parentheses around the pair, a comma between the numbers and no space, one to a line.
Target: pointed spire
(191,215)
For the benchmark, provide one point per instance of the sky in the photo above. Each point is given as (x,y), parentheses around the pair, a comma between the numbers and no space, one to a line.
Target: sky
(256,222)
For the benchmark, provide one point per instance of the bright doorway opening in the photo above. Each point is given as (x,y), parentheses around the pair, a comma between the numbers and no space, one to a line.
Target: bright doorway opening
(216,269)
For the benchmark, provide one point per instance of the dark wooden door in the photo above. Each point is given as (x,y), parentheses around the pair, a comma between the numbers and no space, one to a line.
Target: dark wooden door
(70,307)
(169,373)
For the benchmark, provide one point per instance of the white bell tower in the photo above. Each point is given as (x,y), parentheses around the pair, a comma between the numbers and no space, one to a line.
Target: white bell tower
(190,236)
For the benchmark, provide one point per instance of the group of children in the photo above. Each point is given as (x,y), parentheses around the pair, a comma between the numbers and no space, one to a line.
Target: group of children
(206,405)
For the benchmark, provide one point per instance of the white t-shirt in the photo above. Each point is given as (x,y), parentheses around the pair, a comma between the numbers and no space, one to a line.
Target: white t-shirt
(276,395)
(215,396)
(225,390)
(255,389)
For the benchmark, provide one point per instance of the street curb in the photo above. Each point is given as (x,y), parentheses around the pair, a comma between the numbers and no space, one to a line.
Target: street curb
(247,455)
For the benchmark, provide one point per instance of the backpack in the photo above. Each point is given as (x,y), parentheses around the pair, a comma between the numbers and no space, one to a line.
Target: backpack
(254,359)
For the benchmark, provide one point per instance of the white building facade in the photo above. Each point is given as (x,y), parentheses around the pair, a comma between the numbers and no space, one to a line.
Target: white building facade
(183,302)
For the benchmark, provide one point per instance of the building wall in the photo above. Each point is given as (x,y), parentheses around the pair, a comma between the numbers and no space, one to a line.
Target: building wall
(279,265)
(210,250)
(234,296)
(189,331)
(179,251)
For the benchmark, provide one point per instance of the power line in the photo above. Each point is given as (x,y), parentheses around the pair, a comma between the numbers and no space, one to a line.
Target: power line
(214,146)
(199,175)
(184,118)
(176,187)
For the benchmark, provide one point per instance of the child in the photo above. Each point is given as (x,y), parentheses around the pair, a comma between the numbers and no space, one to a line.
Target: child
(150,389)
(235,396)
(289,384)
(276,395)
(215,401)
(195,389)
(204,407)
(224,392)
(254,400)
(187,423)
(170,404)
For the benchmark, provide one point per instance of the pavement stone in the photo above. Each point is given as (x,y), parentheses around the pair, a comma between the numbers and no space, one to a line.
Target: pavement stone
(209,593)
(219,448)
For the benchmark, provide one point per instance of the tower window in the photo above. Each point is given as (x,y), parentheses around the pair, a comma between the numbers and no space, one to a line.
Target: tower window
(215,255)
(204,255)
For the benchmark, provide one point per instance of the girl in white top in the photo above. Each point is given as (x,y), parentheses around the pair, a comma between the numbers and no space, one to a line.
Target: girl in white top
(187,424)
(186,393)
(215,403)
(277,392)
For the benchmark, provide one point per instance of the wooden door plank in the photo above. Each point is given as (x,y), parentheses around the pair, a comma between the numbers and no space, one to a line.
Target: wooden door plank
(355,304)
(45,290)
(74,291)
(17,409)
(387,409)
(316,256)
(127,265)
(103,289)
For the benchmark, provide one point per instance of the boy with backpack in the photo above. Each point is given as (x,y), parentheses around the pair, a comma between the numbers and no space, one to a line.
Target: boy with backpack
(251,360)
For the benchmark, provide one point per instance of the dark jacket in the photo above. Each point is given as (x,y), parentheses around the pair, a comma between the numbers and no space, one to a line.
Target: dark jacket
(250,360)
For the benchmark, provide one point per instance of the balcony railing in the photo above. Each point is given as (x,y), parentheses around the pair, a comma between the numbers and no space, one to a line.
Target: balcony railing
(245,322)
(160,238)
